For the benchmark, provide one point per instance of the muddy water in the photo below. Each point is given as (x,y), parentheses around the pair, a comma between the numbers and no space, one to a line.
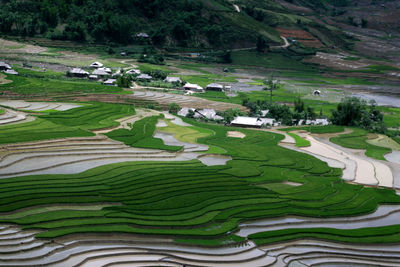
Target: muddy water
(214,160)
(381,100)
(393,157)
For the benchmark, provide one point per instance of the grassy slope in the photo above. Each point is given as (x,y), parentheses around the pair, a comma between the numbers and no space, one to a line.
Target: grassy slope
(141,135)
(188,199)
(190,135)
(357,140)
(71,123)
(300,142)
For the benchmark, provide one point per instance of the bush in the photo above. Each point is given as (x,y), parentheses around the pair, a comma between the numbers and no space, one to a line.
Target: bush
(174,108)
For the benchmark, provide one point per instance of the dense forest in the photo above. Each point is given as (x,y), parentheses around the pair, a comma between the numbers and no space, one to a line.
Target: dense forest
(184,22)
(199,23)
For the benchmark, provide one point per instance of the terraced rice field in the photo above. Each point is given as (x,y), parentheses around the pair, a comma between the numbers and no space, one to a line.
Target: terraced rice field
(126,199)
(184,101)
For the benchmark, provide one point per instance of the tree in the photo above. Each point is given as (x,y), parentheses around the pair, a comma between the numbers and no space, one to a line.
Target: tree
(227,56)
(364,23)
(190,114)
(261,44)
(353,111)
(271,85)
(173,108)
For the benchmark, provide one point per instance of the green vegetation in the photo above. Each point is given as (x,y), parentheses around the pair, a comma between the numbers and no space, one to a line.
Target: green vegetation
(189,201)
(358,140)
(141,135)
(46,86)
(317,129)
(76,122)
(300,142)
(2,111)
(190,134)
(355,112)
(378,235)
(170,22)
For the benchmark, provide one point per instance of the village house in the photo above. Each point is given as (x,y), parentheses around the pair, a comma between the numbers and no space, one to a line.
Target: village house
(253,122)
(173,80)
(96,65)
(144,77)
(208,113)
(133,72)
(100,73)
(108,70)
(78,72)
(11,71)
(93,77)
(317,93)
(142,35)
(4,66)
(110,82)
(193,87)
(215,87)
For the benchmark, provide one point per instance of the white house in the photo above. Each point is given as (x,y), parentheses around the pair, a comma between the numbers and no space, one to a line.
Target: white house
(4,66)
(96,65)
(173,80)
(193,87)
(144,77)
(208,113)
(11,71)
(253,122)
(100,73)
(111,82)
(77,72)
(108,70)
(215,87)
(133,72)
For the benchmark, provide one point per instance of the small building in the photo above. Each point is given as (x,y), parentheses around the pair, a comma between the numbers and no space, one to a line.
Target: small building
(317,92)
(264,113)
(184,111)
(96,65)
(253,122)
(123,54)
(108,70)
(110,82)
(208,113)
(4,66)
(100,73)
(173,80)
(144,77)
(93,77)
(193,87)
(78,72)
(133,72)
(142,35)
(215,87)
(11,71)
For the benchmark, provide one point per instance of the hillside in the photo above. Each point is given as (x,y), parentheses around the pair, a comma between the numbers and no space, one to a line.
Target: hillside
(187,23)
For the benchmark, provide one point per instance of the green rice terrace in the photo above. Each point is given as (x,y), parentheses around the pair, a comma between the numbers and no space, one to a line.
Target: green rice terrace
(175,189)
(106,170)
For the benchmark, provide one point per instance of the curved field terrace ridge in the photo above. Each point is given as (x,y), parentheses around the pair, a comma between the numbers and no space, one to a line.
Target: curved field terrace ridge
(227,197)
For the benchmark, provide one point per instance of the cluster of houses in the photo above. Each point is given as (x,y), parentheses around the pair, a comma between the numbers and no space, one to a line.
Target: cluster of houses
(243,121)
(211,87)
(7,69)
(103,73)
(207,113)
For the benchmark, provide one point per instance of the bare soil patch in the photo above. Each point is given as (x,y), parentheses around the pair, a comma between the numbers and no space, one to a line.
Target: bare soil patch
(235,134)
(6,45)
(3,79)
(303,37)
